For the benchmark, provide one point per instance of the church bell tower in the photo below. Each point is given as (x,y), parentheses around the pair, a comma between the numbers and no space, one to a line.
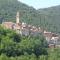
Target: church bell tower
(17,18)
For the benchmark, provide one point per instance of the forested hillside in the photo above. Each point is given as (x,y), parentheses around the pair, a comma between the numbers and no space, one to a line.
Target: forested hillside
(46,18)
(52,16)
(8,9)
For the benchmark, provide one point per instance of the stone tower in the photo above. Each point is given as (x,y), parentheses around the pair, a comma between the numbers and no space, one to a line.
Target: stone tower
(17,18)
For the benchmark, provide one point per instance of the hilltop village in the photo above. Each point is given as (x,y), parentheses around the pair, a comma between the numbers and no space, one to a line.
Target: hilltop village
(25,29)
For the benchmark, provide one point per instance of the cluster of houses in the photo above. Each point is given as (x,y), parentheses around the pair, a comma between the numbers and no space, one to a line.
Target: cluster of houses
(24,29)
(52,39)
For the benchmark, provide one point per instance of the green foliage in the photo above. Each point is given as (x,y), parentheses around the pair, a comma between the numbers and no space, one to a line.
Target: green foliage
(52,18)
(24,48)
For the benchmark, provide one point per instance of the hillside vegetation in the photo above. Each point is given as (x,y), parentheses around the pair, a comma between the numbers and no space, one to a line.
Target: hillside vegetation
(16,47)
(52,16)
(48,18)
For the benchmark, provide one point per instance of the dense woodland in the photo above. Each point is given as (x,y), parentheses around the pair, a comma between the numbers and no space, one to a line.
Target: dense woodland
(48,18)
(16,47)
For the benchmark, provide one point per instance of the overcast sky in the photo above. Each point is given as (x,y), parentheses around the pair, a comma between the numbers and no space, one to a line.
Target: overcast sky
(41,3)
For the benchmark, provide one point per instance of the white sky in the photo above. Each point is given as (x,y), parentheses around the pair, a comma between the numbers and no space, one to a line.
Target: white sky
(41,3)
